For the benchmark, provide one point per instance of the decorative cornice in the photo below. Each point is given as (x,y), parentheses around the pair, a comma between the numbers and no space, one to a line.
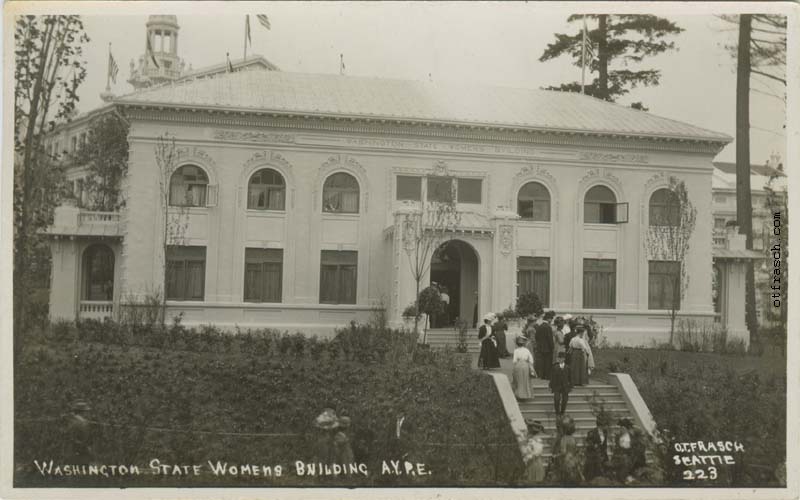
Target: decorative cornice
(267,157)
(614,157)
(252,136)
(510,135)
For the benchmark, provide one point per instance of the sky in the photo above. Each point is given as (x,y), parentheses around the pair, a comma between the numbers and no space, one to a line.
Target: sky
(488,43)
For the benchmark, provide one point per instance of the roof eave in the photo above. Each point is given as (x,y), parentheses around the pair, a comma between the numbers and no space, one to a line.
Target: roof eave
(721,141)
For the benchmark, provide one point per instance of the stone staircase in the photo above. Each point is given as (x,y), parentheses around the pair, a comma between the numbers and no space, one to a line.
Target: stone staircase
(579,408)
(439,338)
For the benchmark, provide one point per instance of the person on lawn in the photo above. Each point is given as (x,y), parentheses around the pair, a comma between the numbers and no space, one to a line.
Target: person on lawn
(560,384)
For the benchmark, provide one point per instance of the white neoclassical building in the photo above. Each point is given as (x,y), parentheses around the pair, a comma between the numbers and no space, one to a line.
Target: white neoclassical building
(293,190)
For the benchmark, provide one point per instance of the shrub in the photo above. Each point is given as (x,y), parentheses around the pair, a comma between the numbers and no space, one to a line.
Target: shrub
(188,406)
(527,304)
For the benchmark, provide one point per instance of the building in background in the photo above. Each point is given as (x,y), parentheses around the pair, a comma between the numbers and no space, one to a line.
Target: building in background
(729,248)
(294,189)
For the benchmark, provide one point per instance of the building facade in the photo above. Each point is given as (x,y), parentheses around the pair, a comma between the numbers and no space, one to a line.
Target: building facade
(289,201)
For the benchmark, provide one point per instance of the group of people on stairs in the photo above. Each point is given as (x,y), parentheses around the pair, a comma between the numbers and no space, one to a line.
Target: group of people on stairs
(604,460)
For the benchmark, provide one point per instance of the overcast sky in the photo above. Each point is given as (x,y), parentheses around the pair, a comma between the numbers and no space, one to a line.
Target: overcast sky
(489,43)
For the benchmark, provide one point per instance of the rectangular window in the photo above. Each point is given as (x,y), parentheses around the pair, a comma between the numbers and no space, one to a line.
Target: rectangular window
(338,277)
(263,274)
(409,188)
(533,275)
(599,213)
(186,273)
(719,223)
(440,189)
(469,190)
(599,283)
(663,276)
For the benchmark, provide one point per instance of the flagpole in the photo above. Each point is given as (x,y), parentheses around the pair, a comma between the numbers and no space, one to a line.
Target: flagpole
(583,57)
(246,24)
(108,73)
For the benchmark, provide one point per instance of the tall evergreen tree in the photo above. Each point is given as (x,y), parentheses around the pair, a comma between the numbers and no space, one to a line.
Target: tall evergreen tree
(617,41)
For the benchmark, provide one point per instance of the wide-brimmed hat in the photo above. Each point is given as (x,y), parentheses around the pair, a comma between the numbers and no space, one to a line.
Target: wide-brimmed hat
(534,426)
(522,340)
(580,327)
(327,419)
(567,317)
(80,405)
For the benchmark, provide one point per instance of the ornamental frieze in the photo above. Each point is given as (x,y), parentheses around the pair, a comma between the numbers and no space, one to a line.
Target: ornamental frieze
(598,173)
(253,136)
(613,157)
(272,157)
(195,153)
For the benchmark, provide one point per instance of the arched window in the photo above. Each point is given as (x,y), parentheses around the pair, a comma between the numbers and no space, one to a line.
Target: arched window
(599,206)
(187,187)
(266,190)
(98,273)
(533,202)
(665,209)
(340,194)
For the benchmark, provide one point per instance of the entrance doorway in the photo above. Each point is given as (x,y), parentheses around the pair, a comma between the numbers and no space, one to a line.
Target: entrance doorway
(454,269)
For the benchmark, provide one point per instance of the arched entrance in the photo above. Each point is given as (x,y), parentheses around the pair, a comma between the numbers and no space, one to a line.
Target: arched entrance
(454,268)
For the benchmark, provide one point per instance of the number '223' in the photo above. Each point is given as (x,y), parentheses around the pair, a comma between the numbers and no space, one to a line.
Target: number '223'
(700,474)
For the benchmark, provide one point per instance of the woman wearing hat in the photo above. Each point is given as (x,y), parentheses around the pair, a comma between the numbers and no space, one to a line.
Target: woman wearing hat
(327,422)
(523,371)
(565,454)
(581,358)
(532,452)
(488,357)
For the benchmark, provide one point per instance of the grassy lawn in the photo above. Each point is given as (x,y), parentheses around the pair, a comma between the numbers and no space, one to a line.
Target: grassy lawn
(252,399)
(710,397)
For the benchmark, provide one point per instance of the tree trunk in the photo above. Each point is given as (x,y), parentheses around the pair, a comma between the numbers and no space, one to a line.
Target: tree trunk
(744,205)
(602,58)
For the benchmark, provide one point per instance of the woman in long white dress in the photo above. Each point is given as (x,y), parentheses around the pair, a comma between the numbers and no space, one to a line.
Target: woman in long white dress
(522,372)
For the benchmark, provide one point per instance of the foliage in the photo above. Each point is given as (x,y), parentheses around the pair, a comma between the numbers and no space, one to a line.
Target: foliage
(730,397)
(509,313)
(190,395)
(48,68)
(700,336)
(767,45)
(527,304)
(424,230)
(105,153)
(668,238)
(624,39)
(174,219)
(461,327)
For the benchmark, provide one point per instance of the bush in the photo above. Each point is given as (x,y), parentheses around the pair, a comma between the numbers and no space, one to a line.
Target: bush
(187,399)
(527,304)
(730,398)
(701,336)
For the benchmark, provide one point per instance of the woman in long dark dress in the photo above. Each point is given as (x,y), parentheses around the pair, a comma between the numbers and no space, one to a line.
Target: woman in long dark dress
(581,358)
(488,357)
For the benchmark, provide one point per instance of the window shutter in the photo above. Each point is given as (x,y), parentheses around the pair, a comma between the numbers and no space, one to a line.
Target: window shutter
(622,213)
(212,192)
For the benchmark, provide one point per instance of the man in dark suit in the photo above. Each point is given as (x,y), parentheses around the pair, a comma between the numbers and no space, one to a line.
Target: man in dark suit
(560,384)
(544,348)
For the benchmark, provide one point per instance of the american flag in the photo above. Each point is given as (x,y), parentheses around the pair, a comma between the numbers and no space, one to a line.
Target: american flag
(113,69)
(587,43)
(264,20)
(150,52)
